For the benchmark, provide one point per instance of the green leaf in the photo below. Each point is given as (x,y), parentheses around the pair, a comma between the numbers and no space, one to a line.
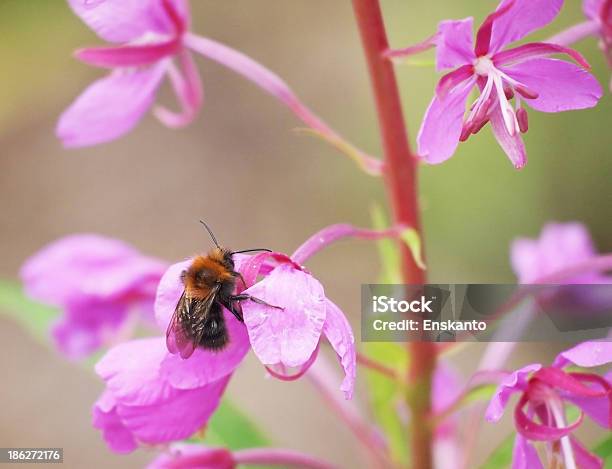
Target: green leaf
(385,394)
(231,428)
(387,248)
(502,456)
(34,317)
(604,450)
(411,237)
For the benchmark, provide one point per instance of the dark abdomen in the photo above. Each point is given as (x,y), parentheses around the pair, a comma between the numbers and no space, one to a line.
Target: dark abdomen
(214,335)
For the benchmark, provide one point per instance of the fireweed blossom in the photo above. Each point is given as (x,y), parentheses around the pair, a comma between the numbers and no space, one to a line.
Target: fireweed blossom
(100,284)
(281,339)
(552,258)
(147,388)
(540,414)
(153,43)
(560,246)
(525,73)
(153,396)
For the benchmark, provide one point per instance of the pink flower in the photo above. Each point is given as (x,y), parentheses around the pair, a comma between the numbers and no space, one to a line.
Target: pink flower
(289,337)
(154,397)
(560,246)
(154,42)
(524,73)
(192,456)
(280,338)
(97,282)
(539,415)
(146,384)
(185,456)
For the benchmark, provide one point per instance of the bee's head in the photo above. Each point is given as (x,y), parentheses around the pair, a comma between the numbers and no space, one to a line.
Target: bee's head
(229,259)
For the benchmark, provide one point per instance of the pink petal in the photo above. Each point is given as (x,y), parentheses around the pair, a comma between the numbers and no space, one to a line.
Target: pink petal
(512,145)
(282,372)
(110,107)
(560,245)
(131,371)
(287,336)
(187,86)
(485,31)
(561,86)
(584,458)
(524,455)
(186,456)
(439,135)
(453,79)
(586,354)
(599,409)
(117,436)
(523,17)
(206,366)
(127,20)
(146,403)
(570,385)
(516,55)
(340,335)
(87,326)
(454,43)
(525,261)
(97,282)
(533,430)
(169,292)
(592,8)
(129,55)
(262,264)
(176,416)
(83,266)
(514,382)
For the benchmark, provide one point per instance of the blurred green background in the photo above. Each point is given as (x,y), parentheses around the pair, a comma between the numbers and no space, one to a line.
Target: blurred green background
(241,168)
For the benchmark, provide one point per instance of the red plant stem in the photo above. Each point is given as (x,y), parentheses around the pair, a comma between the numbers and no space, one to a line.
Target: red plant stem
(401,183)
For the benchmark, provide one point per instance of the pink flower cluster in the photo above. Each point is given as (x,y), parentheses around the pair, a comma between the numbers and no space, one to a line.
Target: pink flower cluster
(102,286)
(105,288)
(147,387)
(540,415)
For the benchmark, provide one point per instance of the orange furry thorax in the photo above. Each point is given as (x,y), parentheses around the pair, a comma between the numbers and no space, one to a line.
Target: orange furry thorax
(205,271)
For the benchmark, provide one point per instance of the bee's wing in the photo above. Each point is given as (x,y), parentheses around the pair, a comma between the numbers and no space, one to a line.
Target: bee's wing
(184,331)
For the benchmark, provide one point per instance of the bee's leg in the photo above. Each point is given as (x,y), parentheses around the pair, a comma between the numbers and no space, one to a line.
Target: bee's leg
(244,296)
(235,308)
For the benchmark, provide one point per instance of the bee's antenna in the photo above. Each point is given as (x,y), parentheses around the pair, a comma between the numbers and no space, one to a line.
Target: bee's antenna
(210,233)
(251,250)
